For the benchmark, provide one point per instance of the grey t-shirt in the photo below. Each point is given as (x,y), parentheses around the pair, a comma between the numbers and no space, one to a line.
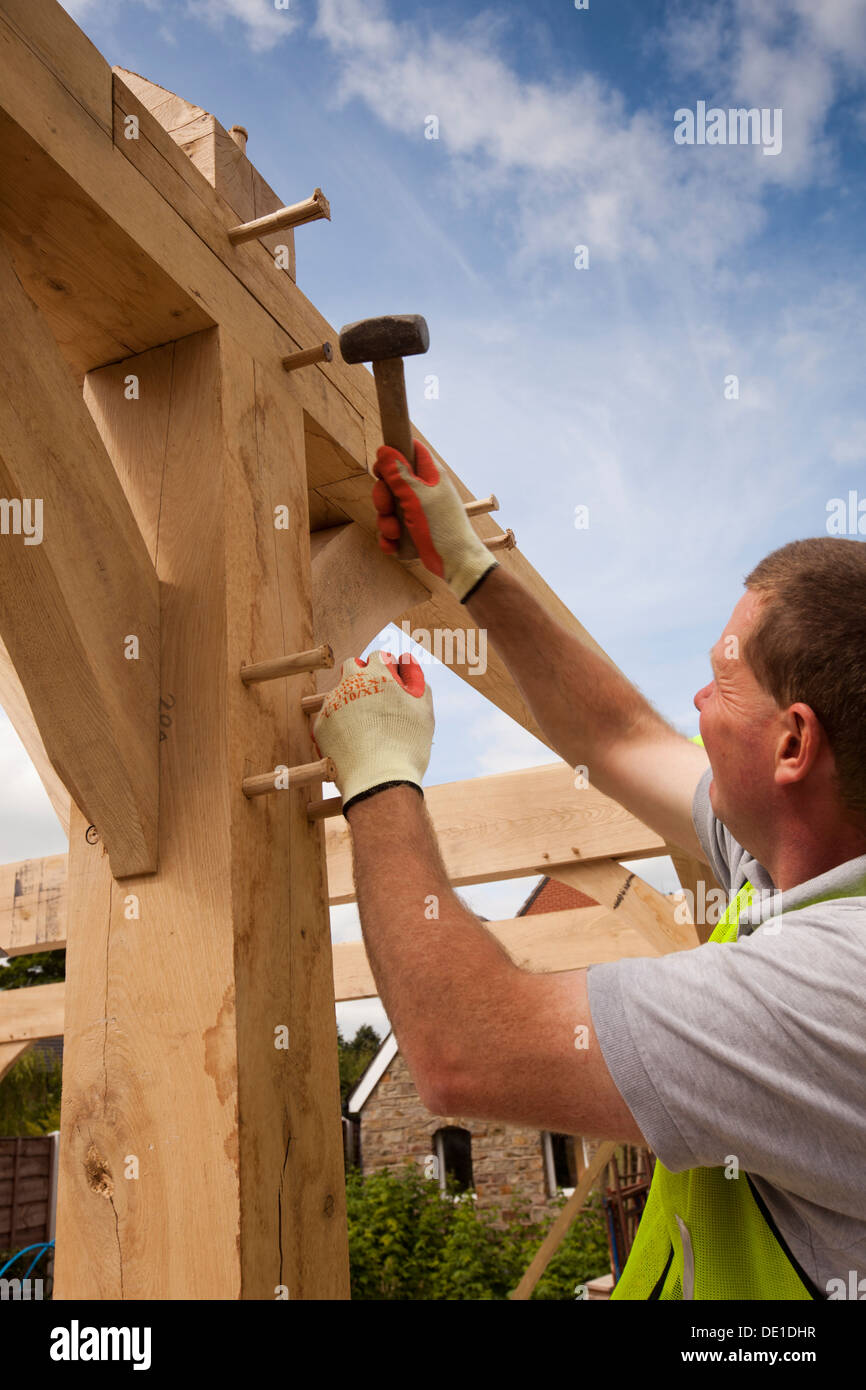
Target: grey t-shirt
(757,1049)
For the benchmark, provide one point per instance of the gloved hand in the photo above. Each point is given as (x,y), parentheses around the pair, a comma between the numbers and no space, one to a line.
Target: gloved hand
(434,516)
(376,725)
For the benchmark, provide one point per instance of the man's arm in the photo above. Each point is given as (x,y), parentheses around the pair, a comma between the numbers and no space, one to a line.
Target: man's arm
(592,715)
(588,711)
(480,1036)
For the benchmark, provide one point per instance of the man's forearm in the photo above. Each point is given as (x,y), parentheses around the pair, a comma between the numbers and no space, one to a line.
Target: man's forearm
(426,950)
(579,700)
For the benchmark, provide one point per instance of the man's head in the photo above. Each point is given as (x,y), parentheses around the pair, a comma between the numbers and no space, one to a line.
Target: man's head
(784,719)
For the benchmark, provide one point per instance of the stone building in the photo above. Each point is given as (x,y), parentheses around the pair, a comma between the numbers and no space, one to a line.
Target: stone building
(497,1160)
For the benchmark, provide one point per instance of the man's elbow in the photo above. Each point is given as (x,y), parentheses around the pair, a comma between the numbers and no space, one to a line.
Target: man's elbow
(436,1074)
(436,1093)
(463,1092)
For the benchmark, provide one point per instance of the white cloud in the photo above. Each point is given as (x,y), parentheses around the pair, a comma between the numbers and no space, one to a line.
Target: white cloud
(29,827)
(263,24)
(354,1012)
(693,42)
(497,744)
(838,27)
(659,873)
(499,901)
(345,923)
(793,54)
(570,159)
(79,8)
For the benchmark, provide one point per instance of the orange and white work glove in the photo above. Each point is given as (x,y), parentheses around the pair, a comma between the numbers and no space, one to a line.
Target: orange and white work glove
(377,726)
(435,519)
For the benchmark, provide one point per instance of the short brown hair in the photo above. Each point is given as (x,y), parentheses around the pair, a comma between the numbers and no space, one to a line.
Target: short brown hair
(808,644)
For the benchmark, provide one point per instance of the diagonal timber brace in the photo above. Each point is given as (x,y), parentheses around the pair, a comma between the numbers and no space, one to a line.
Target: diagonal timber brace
(80,597)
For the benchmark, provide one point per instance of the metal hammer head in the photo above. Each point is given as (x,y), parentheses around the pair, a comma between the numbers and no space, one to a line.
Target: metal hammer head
(376,340)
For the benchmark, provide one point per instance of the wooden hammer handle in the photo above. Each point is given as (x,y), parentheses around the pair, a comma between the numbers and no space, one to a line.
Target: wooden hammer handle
(393,406)
(396,428)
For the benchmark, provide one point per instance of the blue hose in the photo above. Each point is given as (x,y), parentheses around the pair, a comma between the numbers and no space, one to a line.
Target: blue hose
(41,1247)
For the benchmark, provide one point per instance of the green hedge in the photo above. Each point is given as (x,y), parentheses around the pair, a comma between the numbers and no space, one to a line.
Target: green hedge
(409,1242)
(30,1096)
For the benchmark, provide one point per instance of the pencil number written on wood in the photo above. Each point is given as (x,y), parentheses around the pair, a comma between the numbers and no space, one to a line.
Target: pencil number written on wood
(165,719)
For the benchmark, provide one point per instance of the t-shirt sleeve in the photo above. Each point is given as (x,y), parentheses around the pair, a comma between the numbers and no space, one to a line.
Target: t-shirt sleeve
(745,1050)
(734,1050)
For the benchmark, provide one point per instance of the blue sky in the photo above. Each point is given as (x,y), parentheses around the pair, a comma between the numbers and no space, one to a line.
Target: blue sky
(560,386)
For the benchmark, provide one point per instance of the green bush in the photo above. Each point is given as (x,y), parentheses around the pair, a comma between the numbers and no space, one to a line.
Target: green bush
(409,1242)
(30,1096)
(583,1255)
(26,972)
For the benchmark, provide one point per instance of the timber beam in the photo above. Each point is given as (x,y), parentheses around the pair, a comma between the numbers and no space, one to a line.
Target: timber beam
(80,612)
(510,825)
(151,199)
(27,1014)
(9,1054)
(33,905)
(658,919)
(542,943)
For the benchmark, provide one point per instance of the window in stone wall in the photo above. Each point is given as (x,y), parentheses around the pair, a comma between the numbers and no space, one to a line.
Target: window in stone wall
(560,1162)
(454,1152)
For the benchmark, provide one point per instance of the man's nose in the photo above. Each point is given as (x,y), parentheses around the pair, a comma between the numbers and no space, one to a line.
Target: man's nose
(701,696)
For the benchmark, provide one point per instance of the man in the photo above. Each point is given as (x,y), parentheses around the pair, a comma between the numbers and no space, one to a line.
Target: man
(742,1068)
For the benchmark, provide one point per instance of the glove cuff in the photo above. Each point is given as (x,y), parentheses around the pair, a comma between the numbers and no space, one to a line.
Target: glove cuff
(394,769)
(475,562)
(494,565)
(381,787)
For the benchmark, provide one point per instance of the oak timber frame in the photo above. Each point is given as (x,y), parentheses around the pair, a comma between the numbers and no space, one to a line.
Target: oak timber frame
(199,1159)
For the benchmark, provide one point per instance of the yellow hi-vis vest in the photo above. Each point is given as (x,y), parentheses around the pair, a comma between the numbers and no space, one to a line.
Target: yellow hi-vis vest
(703,1235)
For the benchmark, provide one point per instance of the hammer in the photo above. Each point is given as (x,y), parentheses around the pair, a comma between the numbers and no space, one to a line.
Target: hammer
(385,342)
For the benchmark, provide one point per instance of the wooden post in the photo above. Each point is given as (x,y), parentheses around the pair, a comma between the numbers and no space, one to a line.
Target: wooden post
(201,1143)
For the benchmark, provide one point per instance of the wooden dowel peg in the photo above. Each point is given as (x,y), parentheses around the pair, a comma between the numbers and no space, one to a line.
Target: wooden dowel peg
(310,210)
(311,704)
(482,506)
(506,542)
(284,779)
(318,659)
(323,810)
(240,135)
(323,353)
